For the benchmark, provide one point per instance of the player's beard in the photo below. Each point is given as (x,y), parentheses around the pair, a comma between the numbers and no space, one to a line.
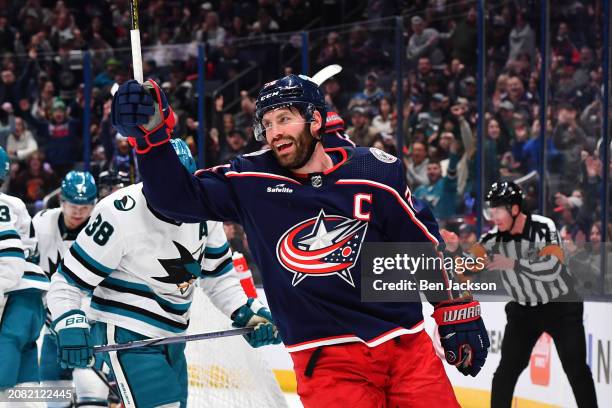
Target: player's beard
(304,146)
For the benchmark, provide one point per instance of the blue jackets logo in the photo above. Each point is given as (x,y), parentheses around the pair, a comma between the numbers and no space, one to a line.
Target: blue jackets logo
(322,246)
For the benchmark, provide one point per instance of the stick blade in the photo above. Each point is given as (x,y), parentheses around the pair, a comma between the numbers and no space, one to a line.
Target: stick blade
(326,73)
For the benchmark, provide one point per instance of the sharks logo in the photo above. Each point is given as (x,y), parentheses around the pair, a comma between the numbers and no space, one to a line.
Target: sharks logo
(53,265)
(125,204)
(183,270)
(322,246)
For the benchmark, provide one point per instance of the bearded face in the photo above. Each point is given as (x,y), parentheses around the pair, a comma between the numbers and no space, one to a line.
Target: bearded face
(289,137)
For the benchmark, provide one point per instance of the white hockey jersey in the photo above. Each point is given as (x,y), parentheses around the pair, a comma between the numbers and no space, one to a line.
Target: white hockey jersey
(135,263)
(17,248)
(53,241)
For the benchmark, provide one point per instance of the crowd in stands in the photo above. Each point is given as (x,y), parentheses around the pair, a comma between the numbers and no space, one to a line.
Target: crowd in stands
(42,95)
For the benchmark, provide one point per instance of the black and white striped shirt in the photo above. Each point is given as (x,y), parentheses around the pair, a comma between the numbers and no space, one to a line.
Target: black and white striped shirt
(536,279)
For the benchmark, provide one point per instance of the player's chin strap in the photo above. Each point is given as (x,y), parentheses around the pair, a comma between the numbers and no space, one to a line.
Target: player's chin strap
(159,128)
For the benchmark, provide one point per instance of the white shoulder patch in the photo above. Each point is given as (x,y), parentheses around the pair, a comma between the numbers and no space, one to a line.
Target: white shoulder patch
(382,156)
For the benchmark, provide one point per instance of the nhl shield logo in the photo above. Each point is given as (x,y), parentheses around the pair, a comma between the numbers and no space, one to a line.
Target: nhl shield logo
(322,246)
(317,181)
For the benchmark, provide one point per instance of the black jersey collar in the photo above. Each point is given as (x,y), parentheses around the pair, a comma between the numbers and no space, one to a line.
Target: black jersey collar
(69,234)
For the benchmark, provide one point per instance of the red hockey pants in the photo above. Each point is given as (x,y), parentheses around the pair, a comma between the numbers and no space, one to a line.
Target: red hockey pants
(400,373)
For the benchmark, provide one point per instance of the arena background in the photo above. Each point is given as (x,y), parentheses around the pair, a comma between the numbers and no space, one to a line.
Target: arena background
(519,90)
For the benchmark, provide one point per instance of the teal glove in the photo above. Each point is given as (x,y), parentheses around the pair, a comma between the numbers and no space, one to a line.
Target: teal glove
(255,314)
(74,343)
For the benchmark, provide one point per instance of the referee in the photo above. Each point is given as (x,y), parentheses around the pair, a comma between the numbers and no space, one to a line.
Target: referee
(526,249)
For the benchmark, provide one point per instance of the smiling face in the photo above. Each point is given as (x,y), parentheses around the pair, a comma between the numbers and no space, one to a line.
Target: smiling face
(289,137)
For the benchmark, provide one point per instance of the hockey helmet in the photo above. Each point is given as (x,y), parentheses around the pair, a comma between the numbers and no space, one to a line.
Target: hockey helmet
(5,164)
(111,180)
(293,90)
(184,154)
(79,187)
(504,194)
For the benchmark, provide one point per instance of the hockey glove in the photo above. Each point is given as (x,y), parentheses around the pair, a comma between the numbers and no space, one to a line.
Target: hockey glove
(463,335)
(255,314)
(74,343)
(142,114)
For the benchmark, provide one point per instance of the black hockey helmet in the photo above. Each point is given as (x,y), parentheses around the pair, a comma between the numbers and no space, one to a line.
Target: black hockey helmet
(111,180)
(505,194)
(293,90)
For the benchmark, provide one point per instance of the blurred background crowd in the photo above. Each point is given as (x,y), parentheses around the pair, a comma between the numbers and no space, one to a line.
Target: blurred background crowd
(250,42)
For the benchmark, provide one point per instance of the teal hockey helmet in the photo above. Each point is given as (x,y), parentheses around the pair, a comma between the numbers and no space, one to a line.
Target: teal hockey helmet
(184,154)
(79,187)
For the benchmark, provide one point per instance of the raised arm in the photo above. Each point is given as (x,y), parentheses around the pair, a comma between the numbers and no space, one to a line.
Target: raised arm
(142,113)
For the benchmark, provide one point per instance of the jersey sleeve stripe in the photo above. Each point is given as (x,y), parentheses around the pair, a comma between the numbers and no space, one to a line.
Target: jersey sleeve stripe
(144,291)
(218,252)
(123,309)
(35,276)
(88,262)
(12,253)
(73,279)
(223,268)
(9,234)
(262,175)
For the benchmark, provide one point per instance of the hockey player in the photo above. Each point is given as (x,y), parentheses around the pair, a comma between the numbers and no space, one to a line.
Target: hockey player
(139,267)
(22,285)
(307,212)
(56,229)
(110,181)
(527,250)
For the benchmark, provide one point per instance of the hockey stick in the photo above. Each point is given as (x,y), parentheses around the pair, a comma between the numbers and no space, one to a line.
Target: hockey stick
(103,378)
(326,73)
(135,40)
(173,340)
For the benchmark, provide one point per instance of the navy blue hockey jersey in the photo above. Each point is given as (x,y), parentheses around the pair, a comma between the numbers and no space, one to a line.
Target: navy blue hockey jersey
(305,233)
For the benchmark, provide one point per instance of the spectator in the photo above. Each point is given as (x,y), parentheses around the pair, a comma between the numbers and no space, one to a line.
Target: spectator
(522,39)
(35,181)
(361,132)
(440,193)
(521,100)
(235,144)
(264,24)
(382,121)
(7,33)
(211,32)
(371,93)
(108,76)
(423,42)
(463,38)
(570,140)
(416,165)
(244,118)
(20,144)
(296,14)
(332,52)
(60,137)
(7,122)
(123,157)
